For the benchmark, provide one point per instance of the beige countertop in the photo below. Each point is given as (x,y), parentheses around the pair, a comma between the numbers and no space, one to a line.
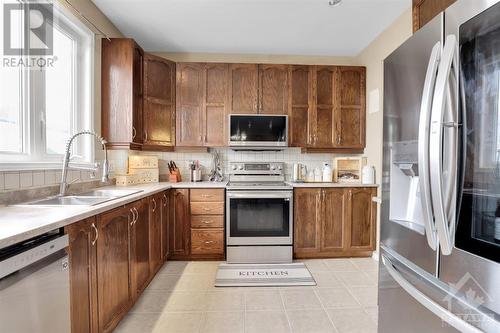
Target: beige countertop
(331,184)
(21,222)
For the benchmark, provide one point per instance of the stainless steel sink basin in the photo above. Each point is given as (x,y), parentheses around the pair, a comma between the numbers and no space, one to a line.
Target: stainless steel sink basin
(70,200)
(108,193)
(89,198)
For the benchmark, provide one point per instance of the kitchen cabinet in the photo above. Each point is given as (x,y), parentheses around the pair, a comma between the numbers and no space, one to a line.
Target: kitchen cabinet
(155,232)
(300,100)
(202,98)
(82,253)
(350,115)
(426,10)
(166,217)
(334,222)
(273,89)
(139,247)
(159,104)
(122,93)
(327,108)
(180,230)
(207,223)
(113,266)
(243,88)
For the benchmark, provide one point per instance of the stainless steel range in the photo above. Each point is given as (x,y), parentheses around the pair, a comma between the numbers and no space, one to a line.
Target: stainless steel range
(259,214)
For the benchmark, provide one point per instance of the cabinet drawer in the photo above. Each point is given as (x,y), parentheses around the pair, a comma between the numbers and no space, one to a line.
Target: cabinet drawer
(207,221)
(207,194)
(207,208)
(207,241)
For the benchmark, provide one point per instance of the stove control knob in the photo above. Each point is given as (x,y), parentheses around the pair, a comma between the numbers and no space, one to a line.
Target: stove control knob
(240,167)
(273,167)
(233,167)
(280,167)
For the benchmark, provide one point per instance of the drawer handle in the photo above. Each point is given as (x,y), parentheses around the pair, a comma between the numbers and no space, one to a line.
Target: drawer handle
(205,195)
(207,222)
(209,242)
(206,209)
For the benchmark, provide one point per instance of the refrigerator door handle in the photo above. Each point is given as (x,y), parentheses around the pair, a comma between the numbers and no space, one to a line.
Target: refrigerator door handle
(423,145)
(427,302)
(442,198)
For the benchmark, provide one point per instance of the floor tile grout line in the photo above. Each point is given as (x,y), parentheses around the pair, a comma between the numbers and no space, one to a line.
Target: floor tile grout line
(285,310)
(325,311)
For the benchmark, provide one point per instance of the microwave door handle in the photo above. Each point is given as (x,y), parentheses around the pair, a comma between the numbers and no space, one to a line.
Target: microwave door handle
(423,145)
(444,218)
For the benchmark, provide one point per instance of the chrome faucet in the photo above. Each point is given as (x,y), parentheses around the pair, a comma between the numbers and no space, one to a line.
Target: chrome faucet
(105,167)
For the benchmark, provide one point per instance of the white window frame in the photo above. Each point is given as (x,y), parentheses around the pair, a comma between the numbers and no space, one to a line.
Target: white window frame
(34,154)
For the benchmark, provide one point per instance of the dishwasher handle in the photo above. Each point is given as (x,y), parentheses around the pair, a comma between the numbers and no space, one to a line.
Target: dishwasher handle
(32,255)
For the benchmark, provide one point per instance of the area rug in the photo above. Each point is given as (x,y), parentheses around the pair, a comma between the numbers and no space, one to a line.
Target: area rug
(263,275)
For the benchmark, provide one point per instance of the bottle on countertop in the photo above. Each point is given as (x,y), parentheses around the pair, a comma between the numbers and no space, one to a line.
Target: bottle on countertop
(317,175)
(327,173)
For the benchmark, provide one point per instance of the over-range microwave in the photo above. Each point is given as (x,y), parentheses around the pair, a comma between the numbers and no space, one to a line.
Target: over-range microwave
(258,132)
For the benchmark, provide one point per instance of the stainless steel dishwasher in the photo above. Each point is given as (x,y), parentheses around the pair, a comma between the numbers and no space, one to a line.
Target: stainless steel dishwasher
(34,285)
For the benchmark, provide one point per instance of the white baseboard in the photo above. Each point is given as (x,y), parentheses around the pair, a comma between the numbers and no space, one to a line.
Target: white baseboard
(375,255)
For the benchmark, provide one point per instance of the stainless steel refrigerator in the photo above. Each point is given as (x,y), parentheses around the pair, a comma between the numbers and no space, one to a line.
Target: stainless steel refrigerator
(440,215)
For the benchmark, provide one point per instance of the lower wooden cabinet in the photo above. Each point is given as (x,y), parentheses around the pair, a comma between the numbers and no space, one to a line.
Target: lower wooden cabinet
(83,275)
(155,232)
(166,217)
(334,222)
(179,225)
(113,266)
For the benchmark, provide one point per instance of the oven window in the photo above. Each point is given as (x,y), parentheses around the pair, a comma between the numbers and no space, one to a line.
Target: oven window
(258,128)
(478,228)
(259,218)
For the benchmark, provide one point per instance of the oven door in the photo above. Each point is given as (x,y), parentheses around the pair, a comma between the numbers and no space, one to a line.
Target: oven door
(259,217)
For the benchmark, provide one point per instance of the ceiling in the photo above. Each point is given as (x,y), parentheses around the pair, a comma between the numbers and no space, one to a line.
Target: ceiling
(291,27)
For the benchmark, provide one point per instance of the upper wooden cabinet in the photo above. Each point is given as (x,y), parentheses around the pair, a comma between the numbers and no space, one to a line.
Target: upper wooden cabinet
(327,108)
(273,89)
(426,10)
(159,103)
(122,93)
(350,111)
(202,98)
(300,101)
(243,88)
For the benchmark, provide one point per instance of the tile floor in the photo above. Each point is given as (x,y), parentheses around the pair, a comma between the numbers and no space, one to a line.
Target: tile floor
(182,298)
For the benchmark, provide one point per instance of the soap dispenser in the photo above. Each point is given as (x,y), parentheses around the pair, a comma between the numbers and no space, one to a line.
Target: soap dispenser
(327,172)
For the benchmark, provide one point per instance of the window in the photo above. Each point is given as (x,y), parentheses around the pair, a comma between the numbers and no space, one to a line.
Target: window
(45,99)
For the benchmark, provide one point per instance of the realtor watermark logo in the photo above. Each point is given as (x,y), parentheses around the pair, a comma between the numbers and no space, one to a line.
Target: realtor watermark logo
(463,300)
(28,37)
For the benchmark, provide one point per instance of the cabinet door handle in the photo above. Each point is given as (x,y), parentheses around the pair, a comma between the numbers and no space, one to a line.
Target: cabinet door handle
(133,217)
(154,203)
(134,132)
(145,136)
(165,200)
(96,234)
(136,215)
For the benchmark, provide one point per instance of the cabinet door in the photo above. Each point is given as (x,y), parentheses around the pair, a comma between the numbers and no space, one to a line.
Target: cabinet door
(273,89)
(83,275)
(189,102)
(324,104)
(300,97)
(159,103)
(139,247)
(113,267)
(426,10)
(243,89)
(138,96)
(180,226)
(351,111)
(215,104)
(307,224)
(361,216)
(333,219)
(165,224)
(155,232)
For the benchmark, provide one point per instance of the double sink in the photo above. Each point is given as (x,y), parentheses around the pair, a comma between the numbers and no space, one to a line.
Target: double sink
(90,198)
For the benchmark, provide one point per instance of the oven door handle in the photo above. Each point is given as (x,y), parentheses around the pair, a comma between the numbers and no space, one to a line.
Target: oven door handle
(260,194)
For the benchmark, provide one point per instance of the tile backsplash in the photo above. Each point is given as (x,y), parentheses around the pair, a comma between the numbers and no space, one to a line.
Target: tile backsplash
(18,180)
(118,159)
